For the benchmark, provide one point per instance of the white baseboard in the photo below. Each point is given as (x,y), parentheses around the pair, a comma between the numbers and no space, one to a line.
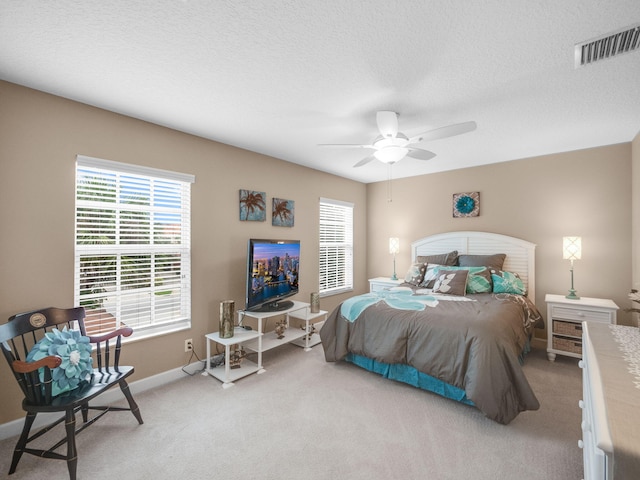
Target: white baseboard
(113,395)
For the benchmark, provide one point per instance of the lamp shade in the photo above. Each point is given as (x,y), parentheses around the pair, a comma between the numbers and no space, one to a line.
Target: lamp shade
(571,248)
(394,245)
(391,154)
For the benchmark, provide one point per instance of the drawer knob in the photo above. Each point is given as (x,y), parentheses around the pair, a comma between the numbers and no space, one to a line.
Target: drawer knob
(581,403)
(581,364)
(580,444)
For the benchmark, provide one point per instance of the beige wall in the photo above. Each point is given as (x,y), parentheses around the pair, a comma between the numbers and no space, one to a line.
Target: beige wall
(40,136)
(586,193)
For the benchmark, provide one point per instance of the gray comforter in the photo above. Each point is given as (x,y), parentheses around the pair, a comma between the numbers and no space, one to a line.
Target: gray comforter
(475,345)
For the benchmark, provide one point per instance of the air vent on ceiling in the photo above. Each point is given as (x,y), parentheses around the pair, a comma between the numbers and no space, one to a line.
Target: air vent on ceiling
(608,46)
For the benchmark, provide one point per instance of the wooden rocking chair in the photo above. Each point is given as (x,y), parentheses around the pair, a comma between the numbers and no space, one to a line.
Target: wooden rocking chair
(17,338)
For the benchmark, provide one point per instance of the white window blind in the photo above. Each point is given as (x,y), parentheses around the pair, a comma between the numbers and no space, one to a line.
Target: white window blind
(336,246)
(132,247)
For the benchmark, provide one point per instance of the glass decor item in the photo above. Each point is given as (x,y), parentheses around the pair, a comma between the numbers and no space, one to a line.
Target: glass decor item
(227,311)
(315,302)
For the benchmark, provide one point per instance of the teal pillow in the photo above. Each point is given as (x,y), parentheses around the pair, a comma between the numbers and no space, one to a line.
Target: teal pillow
(507,282)
(75,351)
(479,280)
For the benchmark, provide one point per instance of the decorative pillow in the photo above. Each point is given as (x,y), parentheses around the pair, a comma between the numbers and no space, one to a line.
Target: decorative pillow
(492,262)
(450,258)
(75,351)
(451,282)
(479,280)
(507,282)
(415,273)
(429,276)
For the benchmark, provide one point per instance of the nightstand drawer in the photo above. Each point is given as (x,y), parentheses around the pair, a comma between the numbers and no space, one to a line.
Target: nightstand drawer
(570,329)
(580,315)
(571,345)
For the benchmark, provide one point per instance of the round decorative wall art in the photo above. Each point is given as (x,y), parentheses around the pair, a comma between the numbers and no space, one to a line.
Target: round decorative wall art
(466,204)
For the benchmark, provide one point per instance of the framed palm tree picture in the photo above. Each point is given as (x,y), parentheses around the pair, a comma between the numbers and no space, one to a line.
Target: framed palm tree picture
(253,206)
(283,213)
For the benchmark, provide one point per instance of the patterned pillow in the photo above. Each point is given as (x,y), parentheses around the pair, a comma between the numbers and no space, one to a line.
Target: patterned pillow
(429,275)
(451,282)
(479,280)
(415,274)
(507,282)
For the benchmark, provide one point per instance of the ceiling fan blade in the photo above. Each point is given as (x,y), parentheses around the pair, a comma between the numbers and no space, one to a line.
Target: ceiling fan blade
(387,123)
(420,154)
(444,132)
(345,145)
(364,161)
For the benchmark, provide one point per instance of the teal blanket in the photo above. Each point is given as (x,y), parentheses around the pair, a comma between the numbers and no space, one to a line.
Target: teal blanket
(401,299)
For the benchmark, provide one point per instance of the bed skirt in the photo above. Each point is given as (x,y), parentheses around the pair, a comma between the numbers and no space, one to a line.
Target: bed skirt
(411,376)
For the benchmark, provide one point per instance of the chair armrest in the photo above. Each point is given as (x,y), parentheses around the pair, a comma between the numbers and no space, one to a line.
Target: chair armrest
(124,331)
(51,361)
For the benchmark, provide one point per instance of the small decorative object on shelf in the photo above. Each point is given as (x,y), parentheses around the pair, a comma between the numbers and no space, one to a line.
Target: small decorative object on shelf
(236,357)
(315,302)
(312,331)
(280,328)
(227,308)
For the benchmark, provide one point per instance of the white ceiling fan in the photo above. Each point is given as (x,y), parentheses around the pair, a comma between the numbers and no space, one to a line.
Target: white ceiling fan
(392,146)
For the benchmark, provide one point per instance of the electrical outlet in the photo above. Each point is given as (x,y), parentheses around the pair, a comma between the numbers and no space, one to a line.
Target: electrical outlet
(188,345)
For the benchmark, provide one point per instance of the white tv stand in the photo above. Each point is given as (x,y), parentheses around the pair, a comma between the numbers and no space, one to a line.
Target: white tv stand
(256,341)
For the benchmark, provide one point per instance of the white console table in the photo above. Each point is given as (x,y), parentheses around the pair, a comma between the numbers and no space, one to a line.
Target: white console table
(226,374)
(258,342)
(269,340)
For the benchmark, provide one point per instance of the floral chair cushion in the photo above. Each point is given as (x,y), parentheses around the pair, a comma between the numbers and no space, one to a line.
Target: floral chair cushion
(75,351)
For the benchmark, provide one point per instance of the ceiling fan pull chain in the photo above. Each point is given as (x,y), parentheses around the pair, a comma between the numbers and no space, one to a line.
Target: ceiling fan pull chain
(389,192)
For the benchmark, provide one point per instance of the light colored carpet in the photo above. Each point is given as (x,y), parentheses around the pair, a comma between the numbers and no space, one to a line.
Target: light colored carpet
(308,419)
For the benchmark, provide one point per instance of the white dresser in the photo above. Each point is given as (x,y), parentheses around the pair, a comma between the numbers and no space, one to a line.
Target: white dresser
(611,402)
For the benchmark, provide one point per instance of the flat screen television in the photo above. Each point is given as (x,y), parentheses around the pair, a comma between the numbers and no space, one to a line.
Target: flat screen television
(273,268)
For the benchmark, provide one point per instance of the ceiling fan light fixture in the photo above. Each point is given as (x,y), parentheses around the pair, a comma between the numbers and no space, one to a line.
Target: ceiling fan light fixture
(391,154)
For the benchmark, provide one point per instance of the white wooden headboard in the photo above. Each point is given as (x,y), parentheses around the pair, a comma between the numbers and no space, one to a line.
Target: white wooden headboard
(520,253)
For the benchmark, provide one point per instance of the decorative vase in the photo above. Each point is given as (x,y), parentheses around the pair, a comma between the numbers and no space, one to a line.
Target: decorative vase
(315,302)
(227,308)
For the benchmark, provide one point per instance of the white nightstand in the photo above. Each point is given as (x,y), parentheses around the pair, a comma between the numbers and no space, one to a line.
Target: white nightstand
(564,322)
(383,283)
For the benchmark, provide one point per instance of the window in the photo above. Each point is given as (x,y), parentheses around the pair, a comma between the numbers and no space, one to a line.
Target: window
(132,247)
(336,246)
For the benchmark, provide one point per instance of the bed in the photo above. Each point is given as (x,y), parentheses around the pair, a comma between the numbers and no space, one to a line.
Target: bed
(460,326)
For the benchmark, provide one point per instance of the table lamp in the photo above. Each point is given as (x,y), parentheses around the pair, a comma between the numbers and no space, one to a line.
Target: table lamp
(394,248)
(572,250)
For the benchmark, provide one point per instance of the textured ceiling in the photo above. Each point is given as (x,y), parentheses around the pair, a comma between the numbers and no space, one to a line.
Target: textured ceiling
(280,77)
